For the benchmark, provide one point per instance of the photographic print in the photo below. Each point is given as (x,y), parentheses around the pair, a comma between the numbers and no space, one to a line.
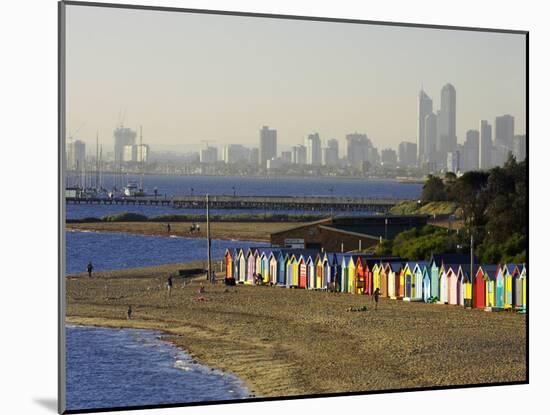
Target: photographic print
(264,207)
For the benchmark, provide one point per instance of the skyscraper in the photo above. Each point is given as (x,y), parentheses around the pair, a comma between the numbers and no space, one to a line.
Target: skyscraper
(471,151)
(425,107)
(485,145)
(330,153)
(298,155)
(268,145)
(357,149)
(447,119)
(430,143)
(520,147)
(123,137)
(504,131)
(313,149)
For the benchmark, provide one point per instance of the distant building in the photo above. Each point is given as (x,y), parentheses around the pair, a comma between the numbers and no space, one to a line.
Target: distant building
(500,154)
(430,133)
(407,153)
(447,119)
(358,146)
(425,107)
(520,147)
(299,154)
(471,151)
(254,155)
(330,153)
(286,157)
(135,153)
(209,155)
(274,163)
(389,157)
(313,150)
(76,155)
(123,137)
(453,161)
(268,145)
(485,145)
(504,131)
(235,153)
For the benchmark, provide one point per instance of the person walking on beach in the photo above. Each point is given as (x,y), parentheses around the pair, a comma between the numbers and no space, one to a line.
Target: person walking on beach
(375,295)
(90,268)
(129,312)
(169,285)
(168,228)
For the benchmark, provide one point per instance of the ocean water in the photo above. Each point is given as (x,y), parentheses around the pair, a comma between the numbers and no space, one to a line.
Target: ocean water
(128,367)
(110,251)
(248,186)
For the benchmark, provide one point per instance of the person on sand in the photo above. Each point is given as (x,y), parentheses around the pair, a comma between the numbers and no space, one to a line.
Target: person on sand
(169,285)
(90,268)
(375,296)
(129,312)
(168,228)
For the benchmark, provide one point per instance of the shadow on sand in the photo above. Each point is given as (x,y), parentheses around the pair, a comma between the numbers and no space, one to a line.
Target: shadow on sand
(48,403)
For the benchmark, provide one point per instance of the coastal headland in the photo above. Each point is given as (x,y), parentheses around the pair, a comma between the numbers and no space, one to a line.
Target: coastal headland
(286,342)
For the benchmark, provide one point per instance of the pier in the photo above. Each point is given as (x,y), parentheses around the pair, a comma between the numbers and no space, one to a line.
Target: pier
(308,203)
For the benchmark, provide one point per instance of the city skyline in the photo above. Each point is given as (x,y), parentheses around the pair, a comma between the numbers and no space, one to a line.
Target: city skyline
(347,81)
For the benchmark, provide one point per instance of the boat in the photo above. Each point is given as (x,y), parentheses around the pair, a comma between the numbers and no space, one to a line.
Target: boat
(132,189)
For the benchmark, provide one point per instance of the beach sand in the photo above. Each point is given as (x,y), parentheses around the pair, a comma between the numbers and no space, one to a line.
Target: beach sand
(286,342)
(245,231)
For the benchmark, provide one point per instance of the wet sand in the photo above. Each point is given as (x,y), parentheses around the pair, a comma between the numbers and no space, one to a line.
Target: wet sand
(245,231)
(286,342)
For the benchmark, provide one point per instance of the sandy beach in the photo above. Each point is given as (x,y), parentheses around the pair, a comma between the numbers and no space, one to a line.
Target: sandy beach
(286,342)
(245,231)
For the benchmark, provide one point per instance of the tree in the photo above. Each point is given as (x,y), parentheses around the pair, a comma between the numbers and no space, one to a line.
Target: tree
(470,192)
(433,190)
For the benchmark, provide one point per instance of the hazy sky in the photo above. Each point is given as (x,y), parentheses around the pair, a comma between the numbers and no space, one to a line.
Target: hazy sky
(191,77)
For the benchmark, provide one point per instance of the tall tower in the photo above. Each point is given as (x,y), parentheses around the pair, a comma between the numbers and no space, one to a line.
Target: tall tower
(504,131)
(425,107)
(268,145)
(313,150)
(447,119)
(485,145)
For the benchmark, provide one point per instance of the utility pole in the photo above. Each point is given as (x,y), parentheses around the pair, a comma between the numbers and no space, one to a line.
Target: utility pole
(210,278)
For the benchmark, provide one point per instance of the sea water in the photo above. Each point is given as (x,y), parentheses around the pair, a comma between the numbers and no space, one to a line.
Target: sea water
(128,367)
(169,186)
(111,251)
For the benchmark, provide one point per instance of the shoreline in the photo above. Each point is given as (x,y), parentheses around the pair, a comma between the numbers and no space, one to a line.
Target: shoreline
(229,231)
(165,336)
(285,342)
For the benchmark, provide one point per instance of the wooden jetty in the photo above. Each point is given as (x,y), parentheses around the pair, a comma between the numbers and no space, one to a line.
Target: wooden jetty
(307,203)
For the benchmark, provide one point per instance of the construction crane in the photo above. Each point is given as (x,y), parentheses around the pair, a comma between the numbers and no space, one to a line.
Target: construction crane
(71,135)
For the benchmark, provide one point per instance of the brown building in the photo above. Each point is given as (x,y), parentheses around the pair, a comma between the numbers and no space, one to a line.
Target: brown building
(343,234)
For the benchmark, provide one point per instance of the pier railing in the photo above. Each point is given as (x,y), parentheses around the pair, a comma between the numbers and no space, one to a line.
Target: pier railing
(254,202)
